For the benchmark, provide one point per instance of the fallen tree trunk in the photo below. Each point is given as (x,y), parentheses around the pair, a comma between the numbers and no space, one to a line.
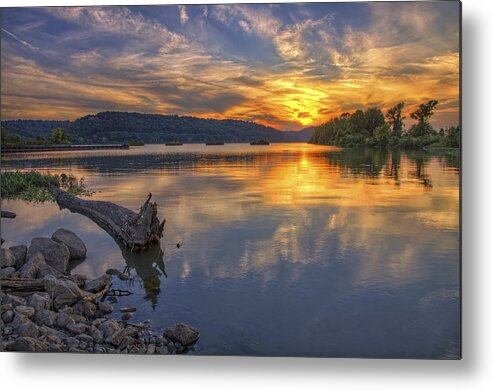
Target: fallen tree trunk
(135,231)
(21,285)
(7,215)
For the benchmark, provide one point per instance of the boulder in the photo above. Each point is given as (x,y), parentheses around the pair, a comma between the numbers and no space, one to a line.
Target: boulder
(85,308)
(26,328)
(25,310)
(46,317)
(56,254)
(7,316)
(75,245)
(105,308)
(26,344)
(64,292)
(112,332)
(182,333)
(39,301)
(98,284)
(45,270)
(31,268)
(13,300)
(7,257)
(7,271)
(20,253)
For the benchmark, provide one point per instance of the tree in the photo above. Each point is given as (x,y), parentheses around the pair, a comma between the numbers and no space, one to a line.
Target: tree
(5,134)
(373,119)
(395,119)
(382,134)
(423,115)
(59,136)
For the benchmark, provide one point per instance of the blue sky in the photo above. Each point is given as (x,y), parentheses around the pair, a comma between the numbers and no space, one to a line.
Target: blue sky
(285,65)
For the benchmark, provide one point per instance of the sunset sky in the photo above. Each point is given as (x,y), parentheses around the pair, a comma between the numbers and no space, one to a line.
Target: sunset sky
(285,65)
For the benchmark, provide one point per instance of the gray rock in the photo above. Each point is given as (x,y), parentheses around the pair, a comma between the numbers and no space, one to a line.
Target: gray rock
(112,332)
(76,328)
(105,308)
(7,271)
(26,344)
(85,338)
(31,268)
(151,349)
(127,316)
(7,258)
(7,316)
(20,253)
(56,254)
(71,342)
(46,317)
(26,329)
(46,270)
(182,333)
(79,279)
(64,292)
(50,332)
(13,300)
(162,349)
(96,334)
(25,310)
(39,301)
(98,284)
(85,308)
(63,319)
(75,245)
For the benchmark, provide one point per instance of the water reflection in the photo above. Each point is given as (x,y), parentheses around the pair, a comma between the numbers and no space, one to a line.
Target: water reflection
(300,242)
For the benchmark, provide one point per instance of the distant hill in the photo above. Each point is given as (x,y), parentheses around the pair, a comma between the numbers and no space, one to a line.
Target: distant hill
(120,127)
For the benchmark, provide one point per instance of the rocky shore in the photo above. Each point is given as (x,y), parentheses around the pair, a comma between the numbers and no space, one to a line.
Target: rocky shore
(46,309)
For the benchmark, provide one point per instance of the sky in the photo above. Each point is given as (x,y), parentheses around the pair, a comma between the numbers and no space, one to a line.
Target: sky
(288,66)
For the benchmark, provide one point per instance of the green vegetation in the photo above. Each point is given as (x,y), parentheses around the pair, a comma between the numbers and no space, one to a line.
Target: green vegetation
(32,186)
(121,127)
(58,136)
(368,128)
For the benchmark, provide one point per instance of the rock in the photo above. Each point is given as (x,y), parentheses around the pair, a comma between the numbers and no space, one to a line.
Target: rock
(71,342)
(26,344)
(25,310)
(113,272)
(112,332)
(7,271)
(85,308)
(75,245)
(162,349)
(151,349)
(7,316)
(46,317)
(49,332)
(182,333)
(7,307)
(64,292)
(7,258)
(124,277)
(13,300)
(26,328)
(128,309)
(79,279)
(63,319)
(31,268)
(56,254)
(20,253)
(96,334)
(45,270)
(76,328)
(127,316)
(85,338)
(105,308)
(39,301)
(98,284)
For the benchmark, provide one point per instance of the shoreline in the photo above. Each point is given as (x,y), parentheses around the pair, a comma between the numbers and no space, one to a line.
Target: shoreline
(46,309)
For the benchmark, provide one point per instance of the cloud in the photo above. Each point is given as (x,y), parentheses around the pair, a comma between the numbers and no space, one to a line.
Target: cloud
(284,66)
(183,14)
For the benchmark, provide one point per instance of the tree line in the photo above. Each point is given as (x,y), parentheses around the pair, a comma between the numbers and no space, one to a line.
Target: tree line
(375,129)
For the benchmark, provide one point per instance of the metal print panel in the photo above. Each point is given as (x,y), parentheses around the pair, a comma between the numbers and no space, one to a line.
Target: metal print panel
(260,179)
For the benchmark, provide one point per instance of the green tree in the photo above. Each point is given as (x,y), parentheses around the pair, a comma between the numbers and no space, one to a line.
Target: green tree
(395,119)
(382,135)
(59,136)
(423,115)
(5,134)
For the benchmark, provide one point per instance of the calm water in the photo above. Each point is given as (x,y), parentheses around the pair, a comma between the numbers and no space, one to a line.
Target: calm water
(287,249)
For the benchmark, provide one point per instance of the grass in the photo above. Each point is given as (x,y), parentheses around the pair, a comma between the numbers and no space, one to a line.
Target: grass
(32,186)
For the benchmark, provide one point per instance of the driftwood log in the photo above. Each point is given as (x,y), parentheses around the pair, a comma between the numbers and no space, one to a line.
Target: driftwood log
(21,285)
(134,231)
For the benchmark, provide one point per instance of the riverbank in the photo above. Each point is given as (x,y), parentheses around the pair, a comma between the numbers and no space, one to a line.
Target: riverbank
(22,148)
(46,309)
